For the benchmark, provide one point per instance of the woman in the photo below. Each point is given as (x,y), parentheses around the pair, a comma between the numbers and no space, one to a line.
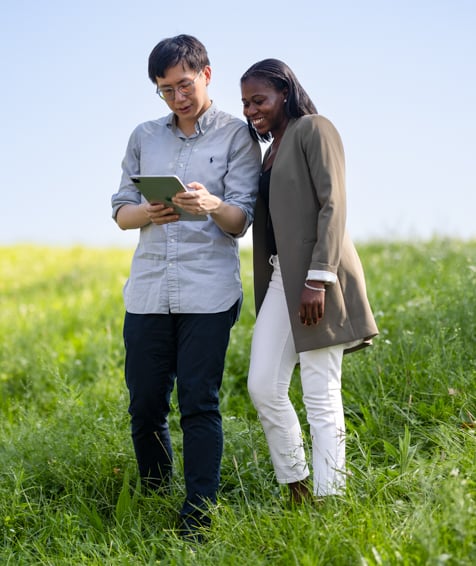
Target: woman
(310,291)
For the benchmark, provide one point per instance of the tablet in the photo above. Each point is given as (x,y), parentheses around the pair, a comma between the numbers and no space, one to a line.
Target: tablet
(161,188)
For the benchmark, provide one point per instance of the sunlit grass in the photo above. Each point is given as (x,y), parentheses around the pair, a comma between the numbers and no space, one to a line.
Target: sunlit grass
(68,479)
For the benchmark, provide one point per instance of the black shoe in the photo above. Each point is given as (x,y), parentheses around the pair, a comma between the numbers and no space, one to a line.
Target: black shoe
(193,528)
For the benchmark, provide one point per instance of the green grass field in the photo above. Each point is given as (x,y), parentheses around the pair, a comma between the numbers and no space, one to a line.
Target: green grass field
(68,481)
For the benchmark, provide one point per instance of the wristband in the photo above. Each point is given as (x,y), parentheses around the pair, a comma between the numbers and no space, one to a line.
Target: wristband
(319,289)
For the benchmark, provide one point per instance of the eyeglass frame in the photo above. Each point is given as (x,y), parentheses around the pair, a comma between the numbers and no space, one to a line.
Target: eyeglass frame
(172,90)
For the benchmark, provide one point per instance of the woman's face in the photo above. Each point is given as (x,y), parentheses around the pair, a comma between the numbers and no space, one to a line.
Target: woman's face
(263,105)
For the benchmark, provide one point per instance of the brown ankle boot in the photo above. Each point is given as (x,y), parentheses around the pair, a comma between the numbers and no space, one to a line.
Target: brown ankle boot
(300,492)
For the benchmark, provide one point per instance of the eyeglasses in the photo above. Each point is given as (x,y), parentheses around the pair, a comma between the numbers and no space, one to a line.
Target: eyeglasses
(186,89)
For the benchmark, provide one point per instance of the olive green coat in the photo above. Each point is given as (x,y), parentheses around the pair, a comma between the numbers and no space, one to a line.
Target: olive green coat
(308,211)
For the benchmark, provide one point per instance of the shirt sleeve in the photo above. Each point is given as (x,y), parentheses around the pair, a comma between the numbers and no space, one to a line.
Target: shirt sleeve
(241,179)
(128,193)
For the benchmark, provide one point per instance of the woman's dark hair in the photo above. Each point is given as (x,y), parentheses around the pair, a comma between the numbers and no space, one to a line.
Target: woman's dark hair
(184,49)
(280,77)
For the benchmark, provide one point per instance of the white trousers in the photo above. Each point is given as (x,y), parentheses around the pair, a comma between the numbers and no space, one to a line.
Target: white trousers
(273,358)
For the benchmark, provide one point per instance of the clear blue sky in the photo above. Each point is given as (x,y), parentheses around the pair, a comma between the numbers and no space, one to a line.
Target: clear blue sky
(397,78)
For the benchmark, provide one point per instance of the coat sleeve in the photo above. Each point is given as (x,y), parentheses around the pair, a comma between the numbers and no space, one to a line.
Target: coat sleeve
(326,162)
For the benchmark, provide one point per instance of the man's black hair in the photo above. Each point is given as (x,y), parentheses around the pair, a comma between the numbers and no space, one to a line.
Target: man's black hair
(172,51)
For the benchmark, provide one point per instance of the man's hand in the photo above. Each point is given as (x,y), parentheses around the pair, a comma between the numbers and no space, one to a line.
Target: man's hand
(197,200)
(159,214)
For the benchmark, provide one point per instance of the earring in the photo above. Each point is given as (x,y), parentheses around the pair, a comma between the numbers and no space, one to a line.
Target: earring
(285,100)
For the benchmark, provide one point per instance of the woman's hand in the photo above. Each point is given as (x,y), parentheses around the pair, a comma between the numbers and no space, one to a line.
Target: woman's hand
(312,303)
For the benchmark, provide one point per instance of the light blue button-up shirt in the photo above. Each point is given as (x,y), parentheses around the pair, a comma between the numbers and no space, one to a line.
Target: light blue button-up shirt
(189,267)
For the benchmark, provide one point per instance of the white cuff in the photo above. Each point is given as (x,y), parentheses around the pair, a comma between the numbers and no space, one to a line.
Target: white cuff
(324,276)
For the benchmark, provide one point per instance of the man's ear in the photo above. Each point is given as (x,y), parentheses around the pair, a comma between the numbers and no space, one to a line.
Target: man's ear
(207,71)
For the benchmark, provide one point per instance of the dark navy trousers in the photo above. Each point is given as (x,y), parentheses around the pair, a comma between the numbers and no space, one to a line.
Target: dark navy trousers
(188,349)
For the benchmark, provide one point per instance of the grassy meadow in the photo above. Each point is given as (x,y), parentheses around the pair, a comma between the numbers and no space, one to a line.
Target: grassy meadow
(68,481)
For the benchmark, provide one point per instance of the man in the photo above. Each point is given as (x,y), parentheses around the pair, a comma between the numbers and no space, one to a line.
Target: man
(184,290)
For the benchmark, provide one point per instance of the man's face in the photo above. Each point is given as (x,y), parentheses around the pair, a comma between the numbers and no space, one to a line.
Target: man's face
(185,91)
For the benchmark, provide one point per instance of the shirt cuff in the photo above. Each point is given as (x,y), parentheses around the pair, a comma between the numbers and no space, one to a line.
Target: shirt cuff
(325,276)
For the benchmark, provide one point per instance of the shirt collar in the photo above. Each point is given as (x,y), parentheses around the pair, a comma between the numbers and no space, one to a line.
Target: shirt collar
(202,123)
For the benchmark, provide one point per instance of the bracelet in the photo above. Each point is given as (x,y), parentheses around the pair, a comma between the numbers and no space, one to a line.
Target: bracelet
(320,289)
